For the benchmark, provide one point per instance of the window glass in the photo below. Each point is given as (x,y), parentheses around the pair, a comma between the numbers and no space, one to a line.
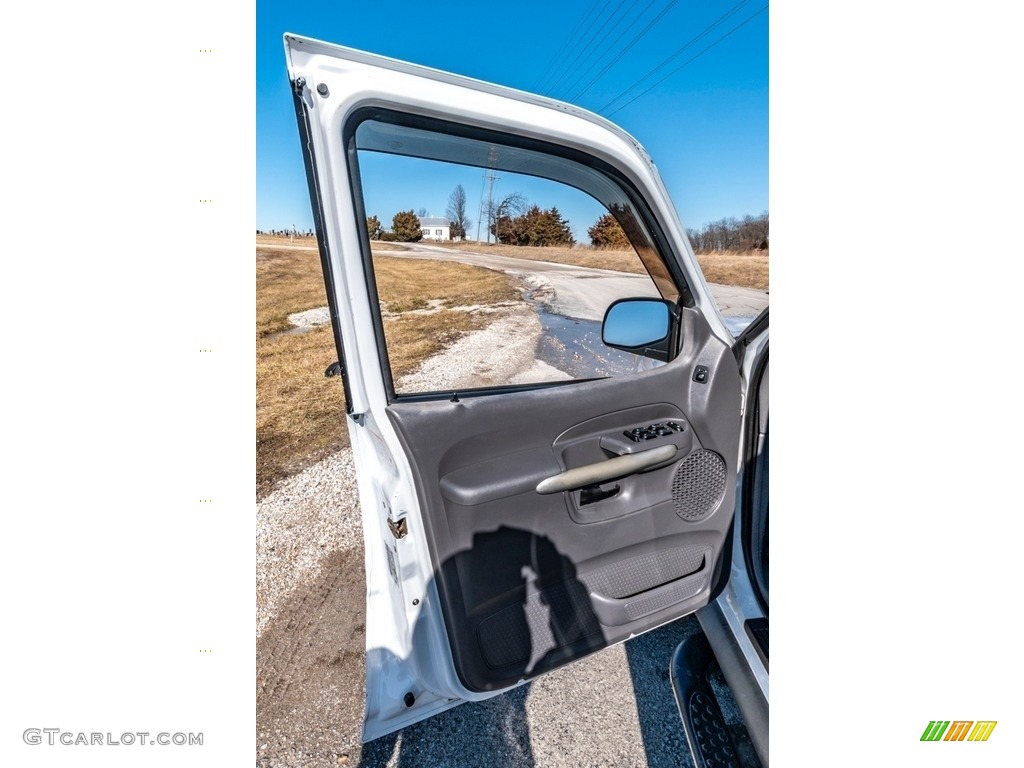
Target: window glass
(540,247)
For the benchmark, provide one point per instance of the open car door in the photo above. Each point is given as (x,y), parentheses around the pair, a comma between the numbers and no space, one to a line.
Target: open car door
(514,520)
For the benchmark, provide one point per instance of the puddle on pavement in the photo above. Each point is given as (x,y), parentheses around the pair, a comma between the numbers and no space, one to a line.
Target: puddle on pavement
(574,346)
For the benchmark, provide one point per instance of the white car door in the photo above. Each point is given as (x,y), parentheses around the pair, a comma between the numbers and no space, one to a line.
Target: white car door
(514,525)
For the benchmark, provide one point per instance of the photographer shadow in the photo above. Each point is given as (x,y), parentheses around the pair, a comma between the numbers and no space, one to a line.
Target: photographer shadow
(548,621)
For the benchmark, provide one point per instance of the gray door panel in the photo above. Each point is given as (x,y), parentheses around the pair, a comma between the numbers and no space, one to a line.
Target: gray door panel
(528,580)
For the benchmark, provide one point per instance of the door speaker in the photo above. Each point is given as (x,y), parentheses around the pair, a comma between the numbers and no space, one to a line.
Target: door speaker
(698,486)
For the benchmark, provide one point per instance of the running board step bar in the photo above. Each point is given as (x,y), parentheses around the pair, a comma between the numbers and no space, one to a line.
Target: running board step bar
(707,733)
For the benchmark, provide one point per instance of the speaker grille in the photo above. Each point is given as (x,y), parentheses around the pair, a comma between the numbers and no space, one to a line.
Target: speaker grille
(698,486)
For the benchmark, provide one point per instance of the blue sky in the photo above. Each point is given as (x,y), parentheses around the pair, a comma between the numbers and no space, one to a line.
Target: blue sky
(706,126)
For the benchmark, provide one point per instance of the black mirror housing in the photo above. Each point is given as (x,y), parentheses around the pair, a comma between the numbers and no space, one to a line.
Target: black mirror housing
(641,326)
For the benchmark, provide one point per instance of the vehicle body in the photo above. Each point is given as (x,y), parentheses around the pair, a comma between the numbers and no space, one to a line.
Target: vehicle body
(513,528)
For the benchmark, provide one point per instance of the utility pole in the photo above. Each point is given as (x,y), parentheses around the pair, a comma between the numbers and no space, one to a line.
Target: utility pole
(492,157)
(480,215)
(490,205)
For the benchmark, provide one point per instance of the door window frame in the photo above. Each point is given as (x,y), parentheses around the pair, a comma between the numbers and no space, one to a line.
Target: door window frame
(660,243)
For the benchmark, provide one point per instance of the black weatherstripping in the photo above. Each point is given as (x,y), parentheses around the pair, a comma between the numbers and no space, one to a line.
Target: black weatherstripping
(312,183)
(369,275)
(757,630)
(755,495)
(751,332)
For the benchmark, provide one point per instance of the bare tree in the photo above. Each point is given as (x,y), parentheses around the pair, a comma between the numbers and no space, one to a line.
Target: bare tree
(730,234)
(509,207)
(503,211)
(456,213)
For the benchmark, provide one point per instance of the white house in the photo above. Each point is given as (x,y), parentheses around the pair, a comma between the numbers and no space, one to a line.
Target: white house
(435,229)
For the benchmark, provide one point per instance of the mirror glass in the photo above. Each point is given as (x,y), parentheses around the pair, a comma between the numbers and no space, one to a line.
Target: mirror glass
(636,323)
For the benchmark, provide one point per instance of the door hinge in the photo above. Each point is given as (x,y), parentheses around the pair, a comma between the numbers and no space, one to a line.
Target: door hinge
(399,529)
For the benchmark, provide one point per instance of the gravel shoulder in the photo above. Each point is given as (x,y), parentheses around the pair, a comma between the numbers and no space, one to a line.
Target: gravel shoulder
(471,361)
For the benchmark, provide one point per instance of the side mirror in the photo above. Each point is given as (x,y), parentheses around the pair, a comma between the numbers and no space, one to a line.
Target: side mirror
(640,326)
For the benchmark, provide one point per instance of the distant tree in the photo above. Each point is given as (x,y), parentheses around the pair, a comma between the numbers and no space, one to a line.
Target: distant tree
(608,233)
(374,228)
(422,212)
(456,213)
(406,227)
(730,234)
(534,227)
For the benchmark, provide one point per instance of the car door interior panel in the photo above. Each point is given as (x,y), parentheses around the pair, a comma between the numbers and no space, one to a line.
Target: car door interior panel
(513,527)
(624,537)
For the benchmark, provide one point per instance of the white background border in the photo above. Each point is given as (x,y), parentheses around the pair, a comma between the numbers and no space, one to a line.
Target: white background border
(896,169)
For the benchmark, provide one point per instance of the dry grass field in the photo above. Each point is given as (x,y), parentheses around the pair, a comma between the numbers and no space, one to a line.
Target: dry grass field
(748,270)
(299,413)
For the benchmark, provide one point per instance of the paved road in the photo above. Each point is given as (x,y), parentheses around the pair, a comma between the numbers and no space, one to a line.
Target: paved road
(580,292)
(568,290)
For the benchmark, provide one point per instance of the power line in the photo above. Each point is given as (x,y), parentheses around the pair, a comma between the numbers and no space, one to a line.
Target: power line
(551,88)
(689,43)
(633,42)
(682,66)
(622,33)
(551,67)
(592,15)
(595,41)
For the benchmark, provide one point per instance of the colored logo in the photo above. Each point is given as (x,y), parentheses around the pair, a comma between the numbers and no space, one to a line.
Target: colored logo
(958,730)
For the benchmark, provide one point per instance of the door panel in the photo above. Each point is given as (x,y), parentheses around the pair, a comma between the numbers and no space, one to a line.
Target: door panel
(528,580)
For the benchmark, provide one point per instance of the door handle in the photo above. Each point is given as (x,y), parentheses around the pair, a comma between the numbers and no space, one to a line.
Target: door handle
(609,469)
(591,494)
